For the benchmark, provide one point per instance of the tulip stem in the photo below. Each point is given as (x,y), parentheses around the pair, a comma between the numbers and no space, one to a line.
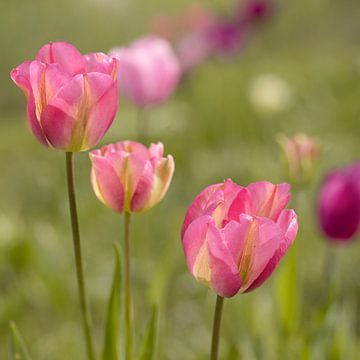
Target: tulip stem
(78,257)
(142,125)
(129,316)
(216,328)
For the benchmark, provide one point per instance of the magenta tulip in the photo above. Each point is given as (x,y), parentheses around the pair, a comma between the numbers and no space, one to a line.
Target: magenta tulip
(234,236)
(252,11)
(149,71)
(339,204)
(128,177)
(71,99)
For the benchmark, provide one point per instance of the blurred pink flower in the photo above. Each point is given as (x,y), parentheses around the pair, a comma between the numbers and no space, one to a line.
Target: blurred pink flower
(252,11)
(234,236)
(149,71)
(128,177)
(302,154)
(193,49)
(71,99)
(226,37)
(339,204)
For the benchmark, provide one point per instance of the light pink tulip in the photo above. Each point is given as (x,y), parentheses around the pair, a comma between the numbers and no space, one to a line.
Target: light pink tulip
(234,236)
(71,99)
(149,71)
(302,154)
(128,177)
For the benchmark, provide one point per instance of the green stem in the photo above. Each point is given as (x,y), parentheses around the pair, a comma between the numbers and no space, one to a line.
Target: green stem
(216,328)
(129,317)
(78,258)
(142,126)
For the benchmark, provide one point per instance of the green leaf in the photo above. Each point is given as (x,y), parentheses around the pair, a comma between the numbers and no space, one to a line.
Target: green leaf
(18,349)
(288,292)
(149,343)
(112,324)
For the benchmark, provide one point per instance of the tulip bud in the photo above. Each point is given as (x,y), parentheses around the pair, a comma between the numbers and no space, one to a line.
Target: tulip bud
(302,154)
(71,99)
(234,236)
(128,177)
(339,204)
(149,71)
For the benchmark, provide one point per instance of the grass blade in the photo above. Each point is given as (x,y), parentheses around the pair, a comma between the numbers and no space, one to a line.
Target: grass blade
(18,349)
(112,324)
(149,343)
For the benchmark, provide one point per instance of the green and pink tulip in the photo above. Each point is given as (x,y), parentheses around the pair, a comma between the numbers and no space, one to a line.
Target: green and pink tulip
(234,236)
(72,99)
(128,177)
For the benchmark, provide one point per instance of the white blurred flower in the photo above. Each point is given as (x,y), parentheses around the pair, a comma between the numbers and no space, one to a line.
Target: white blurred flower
(270,93)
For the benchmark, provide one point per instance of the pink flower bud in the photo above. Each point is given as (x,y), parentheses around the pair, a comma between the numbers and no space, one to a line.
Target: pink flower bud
(302,155)
(149,71)
(339,204)
(234,236)
(71,99)
(128,177)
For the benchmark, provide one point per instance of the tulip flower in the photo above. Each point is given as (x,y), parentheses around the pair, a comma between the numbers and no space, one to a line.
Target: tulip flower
(339,204)
(253,11)
(130,178)
(302,155)
(71,98)
(149,71)
(234,236)
(226,37)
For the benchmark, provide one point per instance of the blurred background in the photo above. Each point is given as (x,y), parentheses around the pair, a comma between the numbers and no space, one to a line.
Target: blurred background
(299,72)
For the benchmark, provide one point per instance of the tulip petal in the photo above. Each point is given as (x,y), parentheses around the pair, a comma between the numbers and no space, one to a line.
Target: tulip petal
(143,189)
(104,106)
(63,54)
(73,120)
(106,183)
(100,62)
(21,77)
(269,199)
(288,224)
(204,204)
(162,174)
(195,248)
(225,278)
(262,240)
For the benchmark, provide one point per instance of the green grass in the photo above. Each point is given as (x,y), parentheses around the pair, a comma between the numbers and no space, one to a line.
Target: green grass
(214,132)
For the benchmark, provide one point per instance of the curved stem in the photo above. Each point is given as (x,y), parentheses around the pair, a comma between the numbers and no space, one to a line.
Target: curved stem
(216,328)
(78,258)
(129,317)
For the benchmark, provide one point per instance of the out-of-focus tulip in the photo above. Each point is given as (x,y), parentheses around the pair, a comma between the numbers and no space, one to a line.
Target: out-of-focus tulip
(193,49)
(128,177)
(234,236)
(252,11)
(149,71)
(339,204)
(71,99)
(226,37)
(302,155)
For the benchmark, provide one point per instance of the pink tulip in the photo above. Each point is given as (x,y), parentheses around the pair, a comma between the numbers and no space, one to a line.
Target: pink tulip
(302,154)
(234,236)
(339,204)
(149,71)
(128,177)
(71,99)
